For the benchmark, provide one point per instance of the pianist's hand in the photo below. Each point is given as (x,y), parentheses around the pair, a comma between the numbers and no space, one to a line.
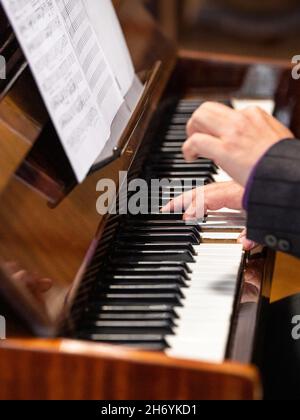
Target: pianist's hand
(235,140)
(247,244)
(216,196)
(36,284)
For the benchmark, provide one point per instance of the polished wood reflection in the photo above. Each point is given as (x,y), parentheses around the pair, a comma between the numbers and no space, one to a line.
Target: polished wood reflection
(72,370)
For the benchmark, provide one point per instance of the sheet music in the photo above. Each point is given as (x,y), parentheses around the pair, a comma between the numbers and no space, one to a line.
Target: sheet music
(111,38)
(97,71)
(73,74)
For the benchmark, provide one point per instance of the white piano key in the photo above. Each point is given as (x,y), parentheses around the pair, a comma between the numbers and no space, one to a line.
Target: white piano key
(203,327)
(267,105)
(222,176)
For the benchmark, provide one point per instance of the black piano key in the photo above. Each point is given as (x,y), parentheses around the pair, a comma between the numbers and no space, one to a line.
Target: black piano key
(184,167)
(157,156)
(181,119)
(186,176)
(188,107)
(142,287)
(170,316)
(158,282)
(153,347)
(172,192)
(167,266)
(160,217)
(156,265)
(135,307)
(151,256)
(160,237)
(158,316)
(165,222)
(135,340)
(170,150)
(163,230)
(179,159)
(176,163)
(174,272)
(175,134)
(155,247)
(171,141)
(132,276)
(189,182)
(164,326)
(138,298)
(128,327)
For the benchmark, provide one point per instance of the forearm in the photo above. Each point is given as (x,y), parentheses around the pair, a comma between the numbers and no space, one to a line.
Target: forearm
(273,202)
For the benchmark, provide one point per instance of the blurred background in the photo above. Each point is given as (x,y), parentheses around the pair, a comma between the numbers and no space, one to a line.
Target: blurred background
(269,28)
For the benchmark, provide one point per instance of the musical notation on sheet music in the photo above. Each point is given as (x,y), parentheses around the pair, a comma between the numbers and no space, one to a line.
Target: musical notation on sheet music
(112,41)
(103,86)
(74,76)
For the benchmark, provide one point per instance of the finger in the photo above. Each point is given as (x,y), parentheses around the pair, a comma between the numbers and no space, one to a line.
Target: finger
(211,118)
(202,145)
(11,267)
(215,199)
(179,203)
(247,244)
(243,234)
(195,211)
(43,285)
(34,283)
(211,197)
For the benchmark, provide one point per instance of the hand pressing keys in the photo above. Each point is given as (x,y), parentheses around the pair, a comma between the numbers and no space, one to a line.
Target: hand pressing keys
(234,140)
(196,203)
(199,201)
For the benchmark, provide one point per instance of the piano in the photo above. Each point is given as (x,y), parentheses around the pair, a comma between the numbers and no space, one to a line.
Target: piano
(141,307)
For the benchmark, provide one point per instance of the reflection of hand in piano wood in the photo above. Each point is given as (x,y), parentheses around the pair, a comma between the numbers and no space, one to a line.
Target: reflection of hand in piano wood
(252,281)
(36,285)
(216,196)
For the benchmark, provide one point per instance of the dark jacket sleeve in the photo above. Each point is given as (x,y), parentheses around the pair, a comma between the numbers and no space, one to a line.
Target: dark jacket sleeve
(274,199)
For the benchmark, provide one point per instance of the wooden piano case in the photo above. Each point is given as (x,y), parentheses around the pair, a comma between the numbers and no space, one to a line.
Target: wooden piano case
(48,224)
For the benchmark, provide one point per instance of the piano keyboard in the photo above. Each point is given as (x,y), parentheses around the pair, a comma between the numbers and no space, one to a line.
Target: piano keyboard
(167,285)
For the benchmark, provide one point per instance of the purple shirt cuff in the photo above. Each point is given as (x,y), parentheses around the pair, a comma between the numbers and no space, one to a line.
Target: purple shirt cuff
(248,188)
